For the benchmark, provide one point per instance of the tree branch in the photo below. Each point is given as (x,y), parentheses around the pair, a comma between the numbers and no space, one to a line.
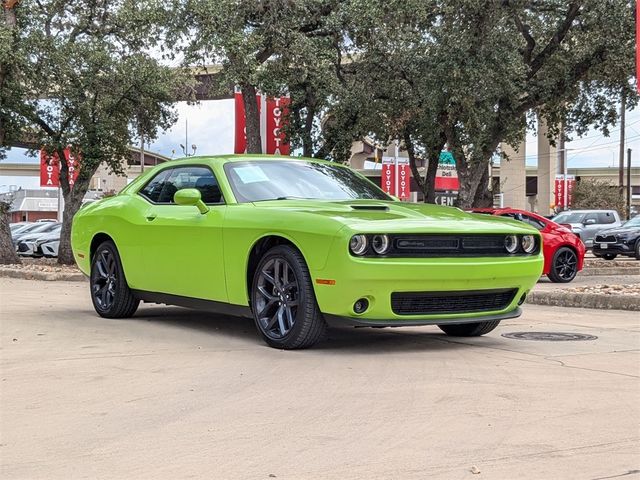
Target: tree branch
(555,41)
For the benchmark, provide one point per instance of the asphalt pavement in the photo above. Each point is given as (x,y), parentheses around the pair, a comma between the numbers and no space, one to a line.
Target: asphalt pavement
(174,393)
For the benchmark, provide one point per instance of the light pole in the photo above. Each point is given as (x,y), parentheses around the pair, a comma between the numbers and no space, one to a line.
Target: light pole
(565,183)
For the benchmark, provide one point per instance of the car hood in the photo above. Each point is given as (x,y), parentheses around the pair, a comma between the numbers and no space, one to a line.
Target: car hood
(371,216)
(619,231)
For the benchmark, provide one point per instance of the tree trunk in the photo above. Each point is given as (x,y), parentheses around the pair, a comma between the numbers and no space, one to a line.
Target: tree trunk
(8,253)
(252,118)
(72,203)
(483,197)
(430,180)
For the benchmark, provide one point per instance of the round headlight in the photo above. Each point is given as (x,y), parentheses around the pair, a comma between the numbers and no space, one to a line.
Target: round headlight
(511,243)
(528,243)
(358,244)
(380,244)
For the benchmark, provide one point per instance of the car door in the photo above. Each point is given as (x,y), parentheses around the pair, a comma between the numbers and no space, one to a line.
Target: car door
(183,247)
(591,227)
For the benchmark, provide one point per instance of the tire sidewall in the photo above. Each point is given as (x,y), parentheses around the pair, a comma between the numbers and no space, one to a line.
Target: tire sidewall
(305,304)
(121,288)
(553,275)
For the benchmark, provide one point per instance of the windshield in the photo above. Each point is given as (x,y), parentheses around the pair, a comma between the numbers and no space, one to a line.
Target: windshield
(634,222)
(569,218)
(259,180)
(43,227)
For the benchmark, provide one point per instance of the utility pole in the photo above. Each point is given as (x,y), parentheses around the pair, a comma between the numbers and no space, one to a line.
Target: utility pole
(623,109)
(628,183)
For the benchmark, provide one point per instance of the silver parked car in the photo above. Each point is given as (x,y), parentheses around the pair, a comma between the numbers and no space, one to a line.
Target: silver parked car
(586,223)
(27,244)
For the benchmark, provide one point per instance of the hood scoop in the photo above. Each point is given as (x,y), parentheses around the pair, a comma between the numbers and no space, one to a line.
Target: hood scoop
(377,208)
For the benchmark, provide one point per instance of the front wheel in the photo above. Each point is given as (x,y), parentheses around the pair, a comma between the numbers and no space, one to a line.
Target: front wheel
(564,266)
(469,329)
(110,293)
(638,249)
(283,302)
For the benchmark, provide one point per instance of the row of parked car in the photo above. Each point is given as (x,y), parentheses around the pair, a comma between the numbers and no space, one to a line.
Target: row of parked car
(36,239)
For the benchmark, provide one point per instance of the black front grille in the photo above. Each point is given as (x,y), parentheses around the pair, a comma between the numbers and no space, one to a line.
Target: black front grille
(606,238)
(429,303)
(441,245)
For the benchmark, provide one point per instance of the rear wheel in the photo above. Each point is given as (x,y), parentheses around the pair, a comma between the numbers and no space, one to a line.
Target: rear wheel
(564,266)
(469,329)
(283,302)
(609,256)
(110,294)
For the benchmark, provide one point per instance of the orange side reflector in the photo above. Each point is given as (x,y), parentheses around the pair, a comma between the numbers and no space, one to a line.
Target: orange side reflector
(81,255)
(325,281)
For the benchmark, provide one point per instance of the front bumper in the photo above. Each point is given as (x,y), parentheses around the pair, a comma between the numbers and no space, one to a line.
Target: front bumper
(336,321)
(346,279)
(617,248)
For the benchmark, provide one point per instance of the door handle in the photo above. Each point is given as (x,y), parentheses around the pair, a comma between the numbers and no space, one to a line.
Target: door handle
(151,217)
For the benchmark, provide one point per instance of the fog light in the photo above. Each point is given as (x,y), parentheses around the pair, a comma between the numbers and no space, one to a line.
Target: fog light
(511,243)
(361,305)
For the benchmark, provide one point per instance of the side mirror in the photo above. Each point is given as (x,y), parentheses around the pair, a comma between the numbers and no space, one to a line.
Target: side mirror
(567,225)
(191,197)
(590,221)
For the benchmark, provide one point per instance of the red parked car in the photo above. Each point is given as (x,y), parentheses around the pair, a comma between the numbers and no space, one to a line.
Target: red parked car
(563,251)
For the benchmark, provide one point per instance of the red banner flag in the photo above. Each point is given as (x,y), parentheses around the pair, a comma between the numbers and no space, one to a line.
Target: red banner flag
(404,179)
(276,113)
(388,178)
(50,168)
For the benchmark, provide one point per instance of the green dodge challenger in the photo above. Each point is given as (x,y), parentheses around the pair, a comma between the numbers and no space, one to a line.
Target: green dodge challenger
(300,244)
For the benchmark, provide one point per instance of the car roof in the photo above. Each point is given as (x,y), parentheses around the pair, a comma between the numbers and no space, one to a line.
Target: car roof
(244,157)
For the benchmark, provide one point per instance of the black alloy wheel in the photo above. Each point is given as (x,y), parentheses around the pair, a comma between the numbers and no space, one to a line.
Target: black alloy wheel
(110,293)
(638,249)
(564,266)
(283,302)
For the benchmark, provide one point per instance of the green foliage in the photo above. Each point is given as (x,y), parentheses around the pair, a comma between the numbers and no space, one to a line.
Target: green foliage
(597,194)
(82,76)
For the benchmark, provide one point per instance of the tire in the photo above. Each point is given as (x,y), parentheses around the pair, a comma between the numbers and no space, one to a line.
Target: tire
(564,266)
(110,293)
(284,305)
(609,256)
(469,329)
(637,249)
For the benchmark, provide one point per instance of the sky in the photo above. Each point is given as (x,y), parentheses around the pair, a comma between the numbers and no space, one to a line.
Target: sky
(210,126)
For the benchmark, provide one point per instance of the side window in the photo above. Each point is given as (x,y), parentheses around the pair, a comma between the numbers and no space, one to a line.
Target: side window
(163,187)
(590,216)
(533,222)
(200,178)
(152,190)
(606,217)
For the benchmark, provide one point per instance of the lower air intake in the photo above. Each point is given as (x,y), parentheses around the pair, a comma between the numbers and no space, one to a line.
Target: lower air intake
(430,303)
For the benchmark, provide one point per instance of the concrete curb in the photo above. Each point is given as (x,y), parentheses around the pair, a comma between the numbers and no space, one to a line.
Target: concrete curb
(586,300)
(590,272)
(36,275)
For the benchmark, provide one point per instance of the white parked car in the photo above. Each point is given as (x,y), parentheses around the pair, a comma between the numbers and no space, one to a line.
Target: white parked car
(29,245)
(50,249)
